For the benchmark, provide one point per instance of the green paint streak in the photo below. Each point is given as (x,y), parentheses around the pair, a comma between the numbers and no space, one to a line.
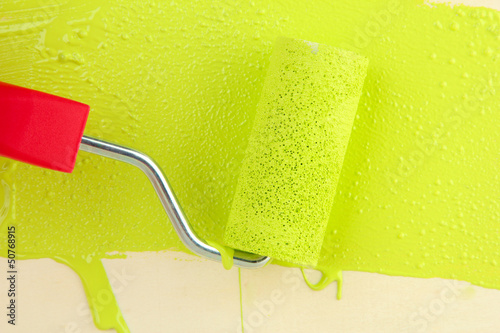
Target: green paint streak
(241,301)
(418,194)
(102,302)
(325,280)
(227,254)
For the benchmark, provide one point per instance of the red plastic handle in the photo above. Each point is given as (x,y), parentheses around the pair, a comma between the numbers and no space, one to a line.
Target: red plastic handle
(39,128)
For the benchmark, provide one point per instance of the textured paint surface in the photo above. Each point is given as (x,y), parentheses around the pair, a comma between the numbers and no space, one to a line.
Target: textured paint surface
(419,191)
(296,151)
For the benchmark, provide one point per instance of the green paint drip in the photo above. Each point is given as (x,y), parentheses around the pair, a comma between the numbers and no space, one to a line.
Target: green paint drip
(328,276)
(418,194)
(241,301)
(325,280)
(227,254)
(105,310)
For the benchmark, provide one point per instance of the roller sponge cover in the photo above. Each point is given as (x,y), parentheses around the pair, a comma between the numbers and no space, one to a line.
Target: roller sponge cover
(292,165)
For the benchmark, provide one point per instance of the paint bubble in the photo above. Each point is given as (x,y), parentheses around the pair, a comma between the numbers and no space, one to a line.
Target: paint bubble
(82,33)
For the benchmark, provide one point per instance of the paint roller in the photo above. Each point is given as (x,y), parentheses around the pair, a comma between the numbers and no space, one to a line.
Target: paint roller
(291,168)
(289,176)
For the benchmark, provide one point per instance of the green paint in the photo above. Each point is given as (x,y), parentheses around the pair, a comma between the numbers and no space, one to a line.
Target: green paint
(227,254)
(418,194)
(325,280)
(241,301)
(295,153)
(102,302)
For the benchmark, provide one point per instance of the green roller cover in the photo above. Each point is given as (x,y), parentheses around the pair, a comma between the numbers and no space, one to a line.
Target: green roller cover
(292,165)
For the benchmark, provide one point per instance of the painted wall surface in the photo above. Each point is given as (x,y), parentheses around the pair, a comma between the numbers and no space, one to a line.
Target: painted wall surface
(420,187)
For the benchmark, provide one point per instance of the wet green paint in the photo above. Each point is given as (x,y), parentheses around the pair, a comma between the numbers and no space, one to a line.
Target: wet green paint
(419,190)
(227,254)
(102,302)
(241,301)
